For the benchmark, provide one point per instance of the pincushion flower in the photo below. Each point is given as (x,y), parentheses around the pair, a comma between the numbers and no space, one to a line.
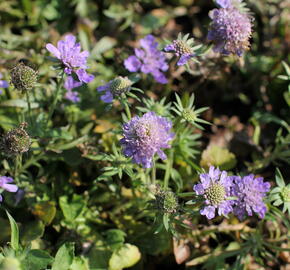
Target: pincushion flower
(69,54)
(69,85)
(183,48)
(249,192)
(144,136)
(230,29)
(148,59)
(5,184)
(215,188)
(115,88)
(3,83)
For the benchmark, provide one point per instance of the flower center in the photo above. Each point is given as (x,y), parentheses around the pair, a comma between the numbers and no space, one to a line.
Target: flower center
(188,115)
(215,194)
(181,47)
(285,194)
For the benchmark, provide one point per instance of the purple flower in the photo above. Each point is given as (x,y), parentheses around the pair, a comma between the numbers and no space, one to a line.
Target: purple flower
(228,3)
(230,29)
(115,88)
(70,84)
(148,59)
(183,48)
(215,187)
(3,83)
(144,136)
(69,53)
(5,183)
(72,96)
(250,192)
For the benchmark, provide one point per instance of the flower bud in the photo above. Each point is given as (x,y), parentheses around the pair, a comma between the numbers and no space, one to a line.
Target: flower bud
(23,77)
(120,85)
(16,141)
(285,193)
(166,201)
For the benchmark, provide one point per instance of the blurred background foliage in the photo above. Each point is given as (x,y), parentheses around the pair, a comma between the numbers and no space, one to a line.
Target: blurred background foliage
(68,196)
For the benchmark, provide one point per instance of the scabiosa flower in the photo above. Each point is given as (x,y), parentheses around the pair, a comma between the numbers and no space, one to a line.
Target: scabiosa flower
(16,141)
(3,83)
(23,77)
(5,184)
(144,136)
(249,192)
(70,55)
(148,59)
(215,188)
(226,3)
(183,48)
(115,88)
(230,29)
(69,85)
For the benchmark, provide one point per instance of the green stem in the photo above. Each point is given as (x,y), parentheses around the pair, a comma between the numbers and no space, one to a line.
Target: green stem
(153,173)
(29,108)
(53,105)
(127,109)
(17,166)
(168,169)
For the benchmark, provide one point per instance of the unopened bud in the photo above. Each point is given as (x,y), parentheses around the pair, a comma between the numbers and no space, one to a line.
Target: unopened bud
(23,77)
(16,141)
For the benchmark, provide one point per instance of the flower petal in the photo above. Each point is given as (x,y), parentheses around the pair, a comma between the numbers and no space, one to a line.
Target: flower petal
(53,50)
(132,63)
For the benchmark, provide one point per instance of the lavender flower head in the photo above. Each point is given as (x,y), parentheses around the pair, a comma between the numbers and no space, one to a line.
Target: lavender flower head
(148,59)
(5,184)
(230,29)
(3,83)
(227,3)
(69,85)
(250,192)
(70,55)
(215,187)
(144,136)
(115,88)
(183,48)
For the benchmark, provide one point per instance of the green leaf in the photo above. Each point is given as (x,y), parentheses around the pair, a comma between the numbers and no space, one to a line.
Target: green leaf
(14,232)
(124,257)
(45,211)
(219,157)
(18,103)
(32,230)
(279,178)
(115,238)
(166,221)
(64,257)
(37,259)
(80,263)
(104,44)
(71,209)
